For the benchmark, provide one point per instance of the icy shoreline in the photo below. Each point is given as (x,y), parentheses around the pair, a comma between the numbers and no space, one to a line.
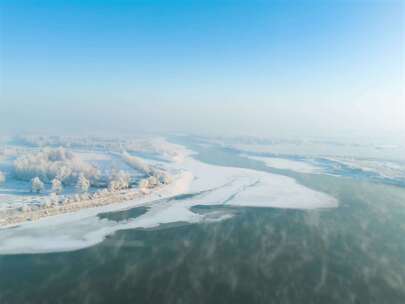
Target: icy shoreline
(10,218)
(205,185)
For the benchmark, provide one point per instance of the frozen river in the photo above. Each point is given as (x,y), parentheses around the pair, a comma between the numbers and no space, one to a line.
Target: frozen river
(353,252)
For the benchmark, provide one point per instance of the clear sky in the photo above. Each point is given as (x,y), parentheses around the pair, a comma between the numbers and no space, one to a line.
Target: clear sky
(269,68)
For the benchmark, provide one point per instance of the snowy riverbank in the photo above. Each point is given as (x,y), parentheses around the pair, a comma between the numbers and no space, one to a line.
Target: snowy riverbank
(205,184)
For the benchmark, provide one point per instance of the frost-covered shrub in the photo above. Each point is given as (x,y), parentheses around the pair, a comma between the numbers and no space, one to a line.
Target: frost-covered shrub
(163,178)
(156,176)
(57,186)
(119,180)
(143,184)
(137,164)
(160,178)
(49,164)
(157,146)
(149,182)
(2,178)
(152,181)
(37,185)
(83,184)
(59,154)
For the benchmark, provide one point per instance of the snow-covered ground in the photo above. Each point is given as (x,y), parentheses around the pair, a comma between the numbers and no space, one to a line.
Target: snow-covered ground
(205,184)
(246,187)
(20,164)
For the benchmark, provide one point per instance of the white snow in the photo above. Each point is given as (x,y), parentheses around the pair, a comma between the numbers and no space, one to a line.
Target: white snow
(281,192)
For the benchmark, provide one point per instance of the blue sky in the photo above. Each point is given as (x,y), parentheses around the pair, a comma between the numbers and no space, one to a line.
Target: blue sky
(253,67)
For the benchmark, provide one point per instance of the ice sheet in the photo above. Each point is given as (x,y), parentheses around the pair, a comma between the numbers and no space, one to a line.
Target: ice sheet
(282,163)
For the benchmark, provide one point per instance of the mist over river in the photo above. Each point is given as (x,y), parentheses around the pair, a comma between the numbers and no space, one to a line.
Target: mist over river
(354,253)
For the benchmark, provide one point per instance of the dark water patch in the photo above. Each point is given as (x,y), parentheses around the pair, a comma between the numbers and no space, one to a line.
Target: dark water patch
(183,196)
(204,209)
(261,256)
(192,195)
(124,215)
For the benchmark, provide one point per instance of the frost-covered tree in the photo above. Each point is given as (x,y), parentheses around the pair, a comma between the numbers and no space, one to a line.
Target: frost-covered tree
(163,178)
(124,179)
(2,178)
(63,173)
(119,180)
(57,186)
(152,181)
(137,163)
(48,164)
(37,185)
(83,184)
